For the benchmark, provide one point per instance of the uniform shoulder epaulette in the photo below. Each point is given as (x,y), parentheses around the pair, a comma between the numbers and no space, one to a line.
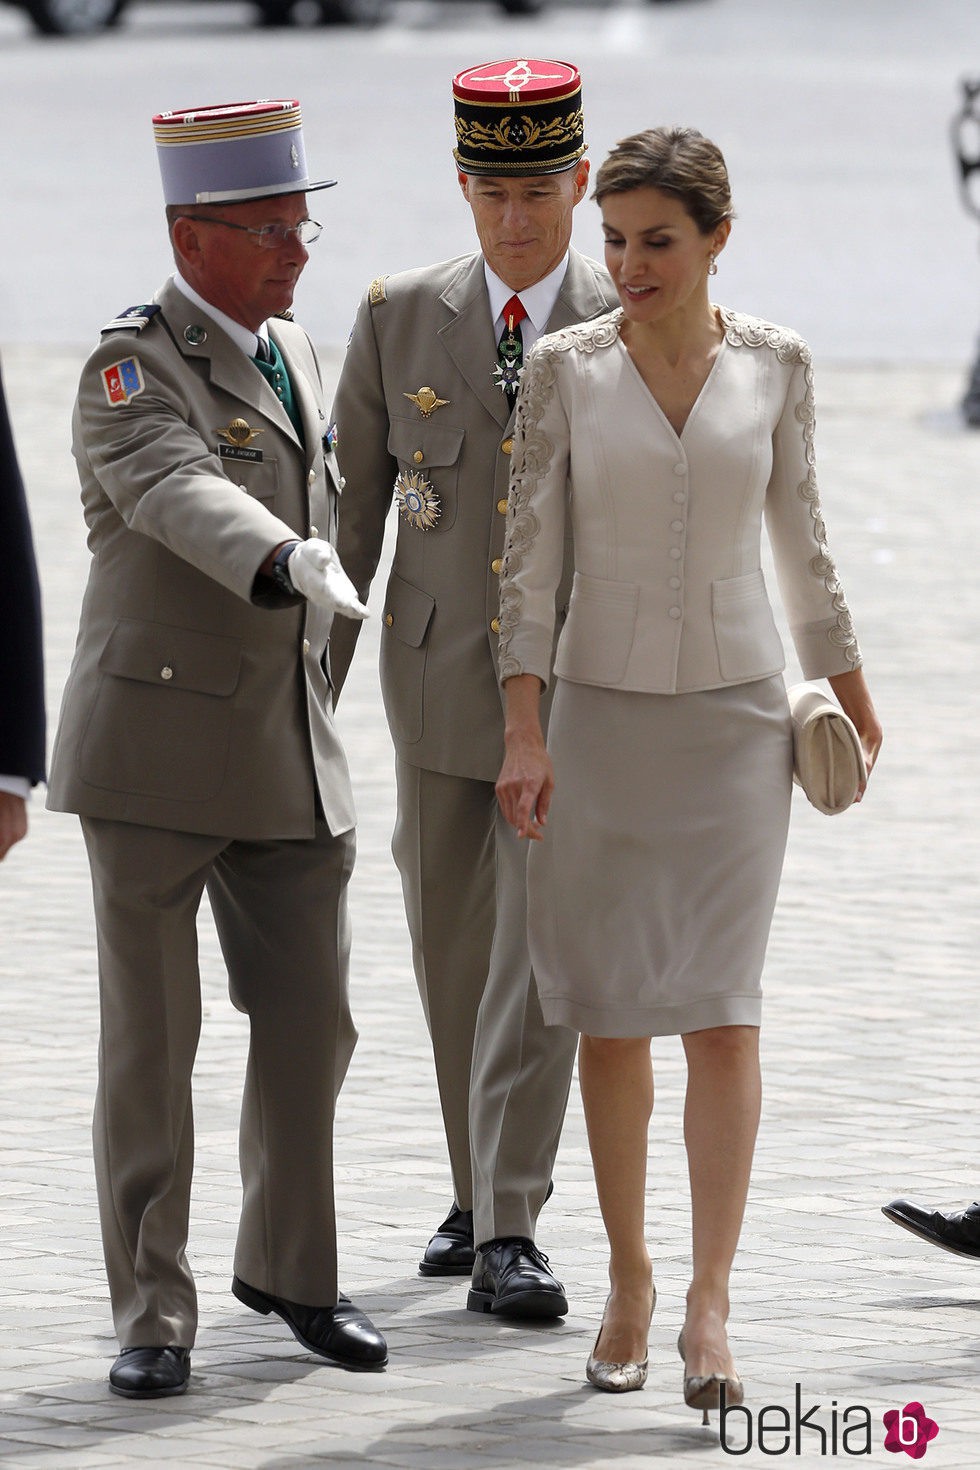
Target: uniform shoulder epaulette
(133,319)
(377,292)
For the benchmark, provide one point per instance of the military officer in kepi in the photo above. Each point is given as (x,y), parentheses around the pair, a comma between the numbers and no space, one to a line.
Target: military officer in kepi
(197,744)
(424,414)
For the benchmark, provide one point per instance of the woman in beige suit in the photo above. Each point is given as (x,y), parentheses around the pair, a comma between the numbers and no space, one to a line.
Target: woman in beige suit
(661,435)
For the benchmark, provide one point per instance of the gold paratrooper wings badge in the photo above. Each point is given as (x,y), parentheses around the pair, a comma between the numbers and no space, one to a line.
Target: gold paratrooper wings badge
(426,400)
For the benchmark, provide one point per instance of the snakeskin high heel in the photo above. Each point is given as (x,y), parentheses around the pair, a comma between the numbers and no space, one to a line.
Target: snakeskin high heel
(617,1377)
(705,1393)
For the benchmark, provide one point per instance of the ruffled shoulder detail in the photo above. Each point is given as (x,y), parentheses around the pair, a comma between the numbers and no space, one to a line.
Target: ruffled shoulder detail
(601,331)
(742,330)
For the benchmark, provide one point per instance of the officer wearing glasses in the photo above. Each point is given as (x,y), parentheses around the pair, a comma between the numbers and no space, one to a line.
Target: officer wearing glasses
(197,745)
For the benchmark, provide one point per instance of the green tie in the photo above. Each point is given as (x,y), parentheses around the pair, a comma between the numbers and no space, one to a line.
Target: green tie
(277,377)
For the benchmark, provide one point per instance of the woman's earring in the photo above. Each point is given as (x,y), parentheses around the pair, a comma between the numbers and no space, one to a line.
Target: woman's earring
(712,266)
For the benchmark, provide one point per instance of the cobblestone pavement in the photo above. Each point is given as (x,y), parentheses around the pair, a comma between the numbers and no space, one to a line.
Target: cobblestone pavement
(871,1054)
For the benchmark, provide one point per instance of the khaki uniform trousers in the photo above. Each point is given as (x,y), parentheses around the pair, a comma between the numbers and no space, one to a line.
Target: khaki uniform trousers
(503,1076)
(280,909)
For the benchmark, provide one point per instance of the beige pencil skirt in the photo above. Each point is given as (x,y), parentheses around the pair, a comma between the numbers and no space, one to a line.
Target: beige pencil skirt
(651,896)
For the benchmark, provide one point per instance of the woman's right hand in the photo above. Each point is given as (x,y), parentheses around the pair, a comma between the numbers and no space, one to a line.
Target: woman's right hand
(526,778)
(525,784)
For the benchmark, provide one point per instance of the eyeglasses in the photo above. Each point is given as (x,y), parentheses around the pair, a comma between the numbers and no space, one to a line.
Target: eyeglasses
(269,237)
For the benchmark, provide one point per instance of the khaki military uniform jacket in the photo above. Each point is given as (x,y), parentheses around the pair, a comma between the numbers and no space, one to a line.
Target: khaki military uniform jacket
(198,699)
(431,328)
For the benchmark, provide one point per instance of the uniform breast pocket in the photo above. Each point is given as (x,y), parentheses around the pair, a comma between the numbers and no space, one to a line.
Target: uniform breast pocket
(746,636)
(162,718)
(252,472)
(428,457)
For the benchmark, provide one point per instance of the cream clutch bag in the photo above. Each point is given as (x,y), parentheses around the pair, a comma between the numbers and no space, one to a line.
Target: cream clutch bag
(828,761)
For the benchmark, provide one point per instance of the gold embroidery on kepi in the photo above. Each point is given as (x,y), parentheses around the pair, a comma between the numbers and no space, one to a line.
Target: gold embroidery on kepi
(417,500)
(518,117)
(238,433)
(426,401)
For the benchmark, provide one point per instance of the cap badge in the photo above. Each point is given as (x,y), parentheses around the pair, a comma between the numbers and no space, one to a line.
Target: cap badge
(195,335)
(417,501)
(426,401)
(239,433)
(518,76)
(293,156)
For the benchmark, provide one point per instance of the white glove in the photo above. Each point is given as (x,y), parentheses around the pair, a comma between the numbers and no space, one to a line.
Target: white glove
(315,571)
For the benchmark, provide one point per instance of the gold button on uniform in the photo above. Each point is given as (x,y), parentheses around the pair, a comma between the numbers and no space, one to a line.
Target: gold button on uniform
(418,456)
(502,507)
(312,476)
(314,530)
(508,446)
(166,672)
(306,645)
(496,565)
(389,620)
(495,625)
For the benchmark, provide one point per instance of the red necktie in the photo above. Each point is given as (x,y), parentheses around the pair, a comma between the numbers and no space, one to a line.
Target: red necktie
(510,349)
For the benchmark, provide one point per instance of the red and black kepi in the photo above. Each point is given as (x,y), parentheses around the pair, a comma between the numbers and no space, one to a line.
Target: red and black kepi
(518,117)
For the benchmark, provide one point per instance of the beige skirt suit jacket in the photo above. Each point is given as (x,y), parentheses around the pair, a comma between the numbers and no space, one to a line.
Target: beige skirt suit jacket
(652,895)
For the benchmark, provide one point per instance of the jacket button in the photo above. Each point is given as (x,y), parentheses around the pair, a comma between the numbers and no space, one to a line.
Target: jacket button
(508,446)
(674,583)
(418,456)
(679,497)
(166,672)
(495,625)
(502,507)
(306,645)
(680,469)
(496,565)
(677,525)
(311,477)
(675,553)
(389,620)
(673,612)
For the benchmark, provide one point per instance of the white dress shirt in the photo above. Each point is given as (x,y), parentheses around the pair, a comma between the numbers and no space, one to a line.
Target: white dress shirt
(537,300)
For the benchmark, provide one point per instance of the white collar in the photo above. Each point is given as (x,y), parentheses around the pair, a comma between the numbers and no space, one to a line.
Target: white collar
(538,300)
(241,336)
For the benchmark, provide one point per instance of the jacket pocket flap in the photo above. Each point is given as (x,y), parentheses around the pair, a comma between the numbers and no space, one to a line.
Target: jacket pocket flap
(407,611)
(437,444)
(179,658)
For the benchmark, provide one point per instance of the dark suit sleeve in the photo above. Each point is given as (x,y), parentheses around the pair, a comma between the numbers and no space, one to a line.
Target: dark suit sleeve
(21,659)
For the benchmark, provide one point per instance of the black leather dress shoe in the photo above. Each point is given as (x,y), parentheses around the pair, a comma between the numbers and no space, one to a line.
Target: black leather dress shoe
(512,1279)
(450,1252)
(341,1333)
(150,1372)
(958,1231)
